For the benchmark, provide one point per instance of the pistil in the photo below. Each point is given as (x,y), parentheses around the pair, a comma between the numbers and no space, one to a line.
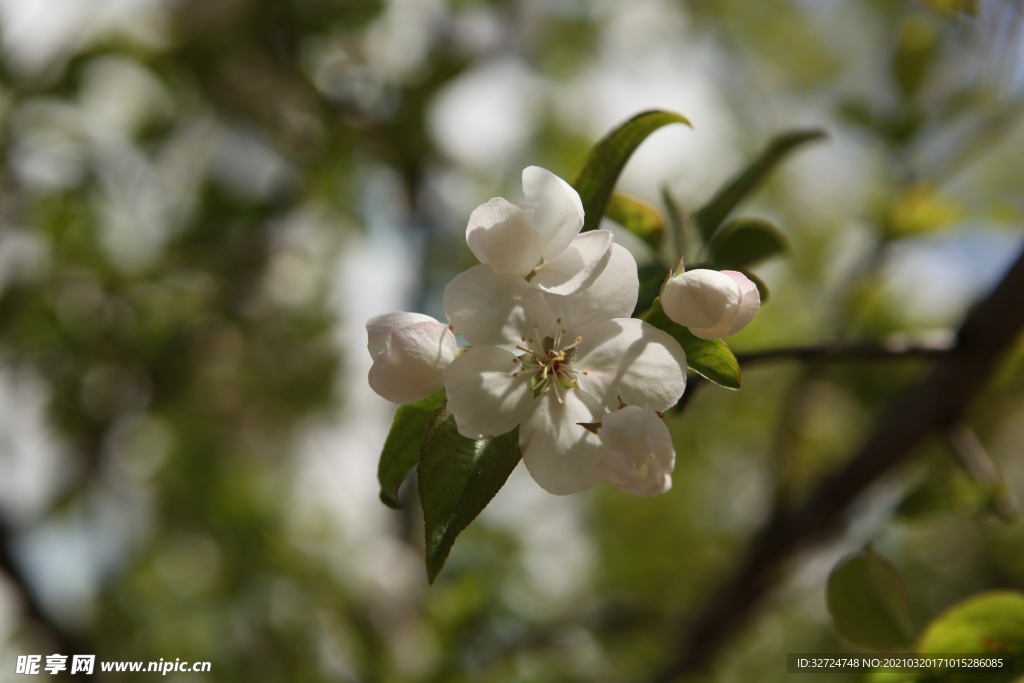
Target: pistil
(550,363)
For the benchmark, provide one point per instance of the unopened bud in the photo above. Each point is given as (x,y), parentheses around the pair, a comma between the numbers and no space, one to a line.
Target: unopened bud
(711,304)
(409,352)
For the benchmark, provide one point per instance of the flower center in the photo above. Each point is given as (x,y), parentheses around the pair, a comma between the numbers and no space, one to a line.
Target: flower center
(549,361)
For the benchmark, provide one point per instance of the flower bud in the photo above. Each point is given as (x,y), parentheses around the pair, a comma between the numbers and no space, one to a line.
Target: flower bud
(711,304)
(638,455)
(409,352)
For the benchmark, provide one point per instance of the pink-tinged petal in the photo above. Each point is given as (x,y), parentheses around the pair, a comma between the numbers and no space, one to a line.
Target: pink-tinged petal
(557,209)
(611,294)
(561,455)
(379,327)
(410,365)
(486,393)
(638,452)
(578,266)
(495,310)
(750,300)
(502,236)
(705,301)
(628,361)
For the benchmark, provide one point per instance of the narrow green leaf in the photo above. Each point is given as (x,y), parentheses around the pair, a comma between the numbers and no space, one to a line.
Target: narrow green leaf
(677,222)
(604,163)
(744,242)
(869,602)
(458,477)
(638,217)
(402,447)
(762,288)
(710,216)
(710,358)
(989,623)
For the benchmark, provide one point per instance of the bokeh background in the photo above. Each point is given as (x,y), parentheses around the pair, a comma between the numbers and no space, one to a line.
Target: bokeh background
(202,202)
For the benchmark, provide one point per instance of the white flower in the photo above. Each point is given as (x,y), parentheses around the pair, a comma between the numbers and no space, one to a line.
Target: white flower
(550,363)
(638,453)
(540,239)
(711,304)
(409,352)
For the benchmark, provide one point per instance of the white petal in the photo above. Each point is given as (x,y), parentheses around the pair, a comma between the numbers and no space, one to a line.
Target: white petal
(410,366)
(557,209)
(379,327)
(638,456)
(750,300)
(561,455)
(705,301)
(486,394)
(628,361)
(576,267)
(495,310)
(501,235)
(612,294)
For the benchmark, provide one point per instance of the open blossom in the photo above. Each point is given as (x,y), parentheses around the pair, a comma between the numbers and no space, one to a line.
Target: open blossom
(550,363)
(540,238)
(409,351)
(712,304)
(638,454)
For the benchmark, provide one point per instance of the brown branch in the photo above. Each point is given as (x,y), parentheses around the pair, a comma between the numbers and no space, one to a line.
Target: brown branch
(62,641)
(851,352)
(938,401)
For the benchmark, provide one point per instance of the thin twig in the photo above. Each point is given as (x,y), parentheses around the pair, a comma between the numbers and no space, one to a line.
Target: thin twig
(850,352)
(982,468)
(939,400)
(60,639)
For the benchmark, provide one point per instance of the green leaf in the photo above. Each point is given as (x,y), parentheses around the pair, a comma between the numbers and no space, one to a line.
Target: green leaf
(921,209)
(745,242)
(948,8)
(762,288)
(869,602)
(710,358)
(638,217)
(676,221)
(989,623)
(652,277)
(402,447)
(890,676)
(943,494)
(915,53)
(458,477)
(604,163)
(711,215)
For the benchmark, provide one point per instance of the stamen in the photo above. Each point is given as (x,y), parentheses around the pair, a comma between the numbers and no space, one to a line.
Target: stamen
(576,343)
(558,394)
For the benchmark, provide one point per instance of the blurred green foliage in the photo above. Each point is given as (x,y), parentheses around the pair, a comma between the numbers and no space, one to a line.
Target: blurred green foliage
(180,186)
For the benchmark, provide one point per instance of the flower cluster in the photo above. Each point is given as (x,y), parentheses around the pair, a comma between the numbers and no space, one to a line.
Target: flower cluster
(552,348)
